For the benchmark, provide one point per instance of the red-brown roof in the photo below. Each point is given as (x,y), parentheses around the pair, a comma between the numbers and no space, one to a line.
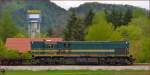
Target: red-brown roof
(23,44)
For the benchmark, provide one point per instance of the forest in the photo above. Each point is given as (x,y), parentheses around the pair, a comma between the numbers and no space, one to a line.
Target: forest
(114,24)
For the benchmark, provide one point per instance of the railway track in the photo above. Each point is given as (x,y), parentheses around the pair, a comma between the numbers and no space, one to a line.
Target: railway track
(77,67)
(145,64)
(140,65)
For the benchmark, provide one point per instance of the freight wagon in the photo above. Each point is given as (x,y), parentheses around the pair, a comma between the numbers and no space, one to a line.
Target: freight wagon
(81,53)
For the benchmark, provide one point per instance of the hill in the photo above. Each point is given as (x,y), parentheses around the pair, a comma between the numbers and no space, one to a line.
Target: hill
(84,8)
(53,16)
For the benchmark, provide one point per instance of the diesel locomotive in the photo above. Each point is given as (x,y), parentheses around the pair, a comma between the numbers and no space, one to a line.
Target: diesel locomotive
(81,53)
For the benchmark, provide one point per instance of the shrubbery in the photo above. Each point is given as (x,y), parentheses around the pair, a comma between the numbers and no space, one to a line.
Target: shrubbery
(12,54)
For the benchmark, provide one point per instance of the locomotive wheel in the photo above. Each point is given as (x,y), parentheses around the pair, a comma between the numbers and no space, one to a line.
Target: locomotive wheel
(112,61)
(122,61)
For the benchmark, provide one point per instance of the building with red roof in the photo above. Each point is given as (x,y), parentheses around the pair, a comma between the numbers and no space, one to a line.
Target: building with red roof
(23,44)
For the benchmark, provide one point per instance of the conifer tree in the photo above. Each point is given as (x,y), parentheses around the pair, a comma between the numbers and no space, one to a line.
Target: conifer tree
(88,18)
(128,16)
(68,32)
(117,16)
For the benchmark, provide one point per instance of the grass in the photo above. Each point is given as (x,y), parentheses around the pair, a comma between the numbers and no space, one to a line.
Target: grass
(79,72)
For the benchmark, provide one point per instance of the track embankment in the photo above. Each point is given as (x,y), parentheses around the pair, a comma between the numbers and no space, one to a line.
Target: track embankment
(76,67)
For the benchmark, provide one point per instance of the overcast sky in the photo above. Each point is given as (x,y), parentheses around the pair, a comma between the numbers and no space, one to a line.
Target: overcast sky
(66,4)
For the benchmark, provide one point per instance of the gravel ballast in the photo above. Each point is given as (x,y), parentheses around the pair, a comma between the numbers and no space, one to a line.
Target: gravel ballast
(39,68)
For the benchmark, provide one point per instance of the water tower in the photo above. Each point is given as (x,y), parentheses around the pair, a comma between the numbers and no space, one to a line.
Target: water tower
(34,21)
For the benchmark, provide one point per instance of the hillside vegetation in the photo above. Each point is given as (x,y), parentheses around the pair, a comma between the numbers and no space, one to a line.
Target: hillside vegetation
(53,16)
(113,25)
(136,32)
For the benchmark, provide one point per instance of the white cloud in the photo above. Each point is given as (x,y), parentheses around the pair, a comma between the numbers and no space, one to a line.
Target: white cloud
(68,4)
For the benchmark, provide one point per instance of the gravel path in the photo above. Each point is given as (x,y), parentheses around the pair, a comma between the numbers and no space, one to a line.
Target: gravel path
(38,68)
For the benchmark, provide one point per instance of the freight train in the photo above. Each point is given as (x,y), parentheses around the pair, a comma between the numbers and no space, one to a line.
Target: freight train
(81,53)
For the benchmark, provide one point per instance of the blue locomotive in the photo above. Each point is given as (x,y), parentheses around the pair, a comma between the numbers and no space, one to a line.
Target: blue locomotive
(82,52)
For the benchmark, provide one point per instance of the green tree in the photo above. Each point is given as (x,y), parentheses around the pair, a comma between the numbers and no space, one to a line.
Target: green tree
(101,30)
(138,36)
(7,53)
(128,16)
(141,20)
(68,32)
(119,16)
(26,55)
(2,48)
(74,29)
(7,27)
(20,35)
(78,31)
(10,53)
(49,32)
(139,12)
(87,22)
(88,18)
